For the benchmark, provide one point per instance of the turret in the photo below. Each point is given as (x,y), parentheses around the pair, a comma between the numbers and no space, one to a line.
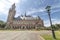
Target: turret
(11,13)
(11,16)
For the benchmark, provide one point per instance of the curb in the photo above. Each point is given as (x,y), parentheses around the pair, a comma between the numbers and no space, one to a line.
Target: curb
(42,38)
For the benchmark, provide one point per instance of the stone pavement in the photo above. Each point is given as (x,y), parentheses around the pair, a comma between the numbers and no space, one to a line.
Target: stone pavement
(20,35)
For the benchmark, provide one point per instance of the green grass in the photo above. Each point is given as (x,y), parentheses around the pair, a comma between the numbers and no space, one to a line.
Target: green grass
(18,30)
(58,35)
(49,36)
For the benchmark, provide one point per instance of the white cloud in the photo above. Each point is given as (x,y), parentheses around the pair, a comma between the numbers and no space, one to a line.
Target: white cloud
(42,1)
(55,6)
(17,15)
(46,23)
(33,10)
(23,0)
(4,7)
(13,1)
(6,4)
(53,11)
(54,21)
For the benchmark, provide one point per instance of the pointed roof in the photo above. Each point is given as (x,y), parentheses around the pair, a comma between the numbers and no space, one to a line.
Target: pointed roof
(13,6)
(39,17)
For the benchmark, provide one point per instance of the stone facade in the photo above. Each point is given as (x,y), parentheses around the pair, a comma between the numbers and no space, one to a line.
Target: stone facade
(27,22)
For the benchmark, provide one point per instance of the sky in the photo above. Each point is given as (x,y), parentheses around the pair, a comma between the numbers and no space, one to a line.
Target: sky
(32,7)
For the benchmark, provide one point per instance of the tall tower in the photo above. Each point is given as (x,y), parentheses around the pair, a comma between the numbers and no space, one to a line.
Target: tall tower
(11,15)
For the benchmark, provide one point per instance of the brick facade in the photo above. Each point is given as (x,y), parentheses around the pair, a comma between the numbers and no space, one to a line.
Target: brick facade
(22,24)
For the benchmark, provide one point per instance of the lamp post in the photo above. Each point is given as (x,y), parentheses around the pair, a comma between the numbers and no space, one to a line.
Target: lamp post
(48,8)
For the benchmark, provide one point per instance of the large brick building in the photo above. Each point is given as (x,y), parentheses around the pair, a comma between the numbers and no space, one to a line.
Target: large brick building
(23,21)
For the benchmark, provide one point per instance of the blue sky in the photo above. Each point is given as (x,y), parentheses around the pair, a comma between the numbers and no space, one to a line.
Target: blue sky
(32,7)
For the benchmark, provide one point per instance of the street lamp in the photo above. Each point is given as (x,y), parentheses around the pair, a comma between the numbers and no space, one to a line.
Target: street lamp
(48,8)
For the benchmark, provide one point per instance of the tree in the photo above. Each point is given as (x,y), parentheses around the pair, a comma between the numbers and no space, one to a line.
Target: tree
(55,27)
(2,24)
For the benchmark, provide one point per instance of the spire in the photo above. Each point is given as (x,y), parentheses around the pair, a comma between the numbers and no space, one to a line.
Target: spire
(13,6)
(38,17)
(25,14)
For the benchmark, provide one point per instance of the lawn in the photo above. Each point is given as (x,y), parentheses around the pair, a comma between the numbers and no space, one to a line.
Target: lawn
(49,36)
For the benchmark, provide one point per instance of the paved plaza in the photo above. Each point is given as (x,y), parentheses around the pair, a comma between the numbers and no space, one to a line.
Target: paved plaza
(21,35)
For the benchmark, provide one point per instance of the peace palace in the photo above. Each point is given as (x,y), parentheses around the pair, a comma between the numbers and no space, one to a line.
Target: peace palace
(23,21)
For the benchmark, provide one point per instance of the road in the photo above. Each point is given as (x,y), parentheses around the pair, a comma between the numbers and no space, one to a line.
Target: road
(20,35)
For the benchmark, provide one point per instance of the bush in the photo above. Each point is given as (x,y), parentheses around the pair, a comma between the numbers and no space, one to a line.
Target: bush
(2,24)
